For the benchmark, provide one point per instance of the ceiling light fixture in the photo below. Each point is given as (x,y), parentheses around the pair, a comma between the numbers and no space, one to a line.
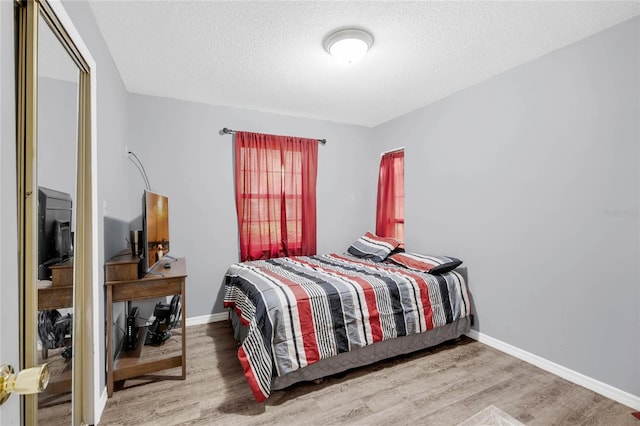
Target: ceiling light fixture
(348,45)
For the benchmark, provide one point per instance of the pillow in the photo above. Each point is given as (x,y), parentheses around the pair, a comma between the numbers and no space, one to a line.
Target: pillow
(399,249)
(424,263)
(372,247)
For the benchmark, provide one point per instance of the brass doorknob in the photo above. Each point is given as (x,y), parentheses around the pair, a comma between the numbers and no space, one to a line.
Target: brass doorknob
(29,380)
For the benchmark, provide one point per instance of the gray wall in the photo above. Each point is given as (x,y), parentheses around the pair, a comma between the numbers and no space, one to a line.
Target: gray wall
(57,135)
(186,159)
(112,138)
(532,179)
(9,319)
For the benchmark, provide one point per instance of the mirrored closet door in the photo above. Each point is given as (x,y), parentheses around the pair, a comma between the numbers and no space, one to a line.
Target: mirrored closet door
(54,182)
(57,141)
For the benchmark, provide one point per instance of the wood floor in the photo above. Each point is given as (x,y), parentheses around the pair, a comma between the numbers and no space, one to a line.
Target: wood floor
(54,404)
(441,386)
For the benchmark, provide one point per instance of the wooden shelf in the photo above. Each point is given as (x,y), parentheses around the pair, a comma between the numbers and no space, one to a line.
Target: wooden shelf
(143,359)
(123,267)
(54,297)
(62,274)
(60,373)
(57,293)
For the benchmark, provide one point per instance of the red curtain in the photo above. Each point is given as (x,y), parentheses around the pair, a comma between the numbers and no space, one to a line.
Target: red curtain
(275,178)
(390,205)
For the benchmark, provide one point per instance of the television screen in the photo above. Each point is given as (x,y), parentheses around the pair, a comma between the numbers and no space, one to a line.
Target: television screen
(156,227)
(55,241)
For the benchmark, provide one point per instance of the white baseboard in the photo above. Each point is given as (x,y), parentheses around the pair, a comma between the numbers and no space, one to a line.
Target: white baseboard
(206,319)
(603,389)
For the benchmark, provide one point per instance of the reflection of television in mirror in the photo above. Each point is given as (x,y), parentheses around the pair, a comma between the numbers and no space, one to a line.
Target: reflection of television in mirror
(55,239)
(156,228)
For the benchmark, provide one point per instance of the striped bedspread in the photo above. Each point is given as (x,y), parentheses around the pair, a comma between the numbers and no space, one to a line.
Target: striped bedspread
(299,310)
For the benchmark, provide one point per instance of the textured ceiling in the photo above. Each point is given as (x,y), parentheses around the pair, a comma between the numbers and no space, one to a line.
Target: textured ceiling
(268,55)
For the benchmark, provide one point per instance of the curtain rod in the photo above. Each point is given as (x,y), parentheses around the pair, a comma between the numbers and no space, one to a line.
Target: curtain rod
(400,148)
(226,131)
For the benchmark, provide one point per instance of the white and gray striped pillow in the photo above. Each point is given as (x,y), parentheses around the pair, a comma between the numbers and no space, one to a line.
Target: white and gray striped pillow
(371,246)
(426,263)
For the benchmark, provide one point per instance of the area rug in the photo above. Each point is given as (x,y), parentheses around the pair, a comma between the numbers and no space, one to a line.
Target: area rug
(491,416)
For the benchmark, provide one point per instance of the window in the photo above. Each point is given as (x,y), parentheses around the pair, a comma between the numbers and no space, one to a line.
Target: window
(275,195)
(390,204)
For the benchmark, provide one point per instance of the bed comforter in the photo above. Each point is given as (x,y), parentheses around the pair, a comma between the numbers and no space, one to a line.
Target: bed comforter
(299,310)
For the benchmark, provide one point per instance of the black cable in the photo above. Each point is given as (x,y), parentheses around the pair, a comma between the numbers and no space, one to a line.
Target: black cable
(141,169)
(141,173)
(144,172)
(175,311)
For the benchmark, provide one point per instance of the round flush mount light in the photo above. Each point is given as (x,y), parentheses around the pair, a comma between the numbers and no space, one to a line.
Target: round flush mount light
(348,45)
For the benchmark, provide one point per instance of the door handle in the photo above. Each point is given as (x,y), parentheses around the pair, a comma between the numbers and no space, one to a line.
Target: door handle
(29,380)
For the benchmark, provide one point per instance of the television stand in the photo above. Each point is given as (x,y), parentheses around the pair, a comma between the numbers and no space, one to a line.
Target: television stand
(128,287)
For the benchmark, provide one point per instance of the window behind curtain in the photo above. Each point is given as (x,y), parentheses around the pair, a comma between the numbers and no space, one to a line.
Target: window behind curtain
(275,195)
(390,204)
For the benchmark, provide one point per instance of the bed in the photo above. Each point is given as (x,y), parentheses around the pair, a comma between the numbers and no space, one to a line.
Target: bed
(307,317)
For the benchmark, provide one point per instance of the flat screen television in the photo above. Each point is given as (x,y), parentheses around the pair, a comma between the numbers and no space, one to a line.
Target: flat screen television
(155,228)
(55,239)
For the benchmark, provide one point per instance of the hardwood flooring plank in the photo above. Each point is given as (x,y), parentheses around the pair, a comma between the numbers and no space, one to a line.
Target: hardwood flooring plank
(447,416)
(353,415)
(614,414)
(500,393)
(557,414)
(584,401)
(391,415)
